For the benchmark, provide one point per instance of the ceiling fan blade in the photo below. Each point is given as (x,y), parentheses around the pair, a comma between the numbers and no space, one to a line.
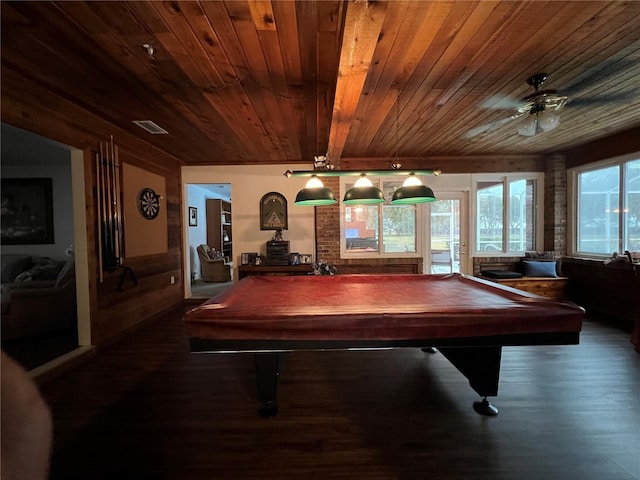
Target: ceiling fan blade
(500,103)
(474,132)
(598,74)
(603,99)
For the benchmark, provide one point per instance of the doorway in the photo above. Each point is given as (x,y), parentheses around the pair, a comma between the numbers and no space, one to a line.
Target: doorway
(198,226)
(22,157)
(449,238)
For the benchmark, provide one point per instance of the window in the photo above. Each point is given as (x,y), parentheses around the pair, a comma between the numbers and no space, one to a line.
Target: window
(378,230)
(507,214)
(607,207)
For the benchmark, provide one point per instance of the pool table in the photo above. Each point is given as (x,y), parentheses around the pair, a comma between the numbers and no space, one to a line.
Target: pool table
(466,319)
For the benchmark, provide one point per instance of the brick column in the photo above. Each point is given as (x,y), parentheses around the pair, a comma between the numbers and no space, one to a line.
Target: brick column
(555,204)
(328,226)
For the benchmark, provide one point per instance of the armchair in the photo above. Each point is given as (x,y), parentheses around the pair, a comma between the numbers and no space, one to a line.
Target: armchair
(212,269)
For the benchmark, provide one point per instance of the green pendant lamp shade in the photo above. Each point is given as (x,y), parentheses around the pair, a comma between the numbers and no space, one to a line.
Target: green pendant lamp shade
(315,194)
(412,191)
(363,193)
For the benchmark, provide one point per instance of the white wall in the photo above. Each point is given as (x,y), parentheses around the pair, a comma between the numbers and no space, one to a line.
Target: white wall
(248,185)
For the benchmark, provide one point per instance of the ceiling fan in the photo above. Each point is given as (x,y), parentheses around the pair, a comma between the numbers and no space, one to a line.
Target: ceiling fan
(538,108)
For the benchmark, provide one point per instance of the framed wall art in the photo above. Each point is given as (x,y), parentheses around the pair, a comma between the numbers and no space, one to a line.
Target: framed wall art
(27,211)
(273,212)
(193,217)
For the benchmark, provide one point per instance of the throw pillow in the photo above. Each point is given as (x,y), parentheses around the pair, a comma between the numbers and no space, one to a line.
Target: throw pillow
(13,264)
(500,274)
(539,268)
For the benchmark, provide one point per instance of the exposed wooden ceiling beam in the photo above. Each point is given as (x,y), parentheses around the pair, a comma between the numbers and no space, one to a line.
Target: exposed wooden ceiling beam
(362,29)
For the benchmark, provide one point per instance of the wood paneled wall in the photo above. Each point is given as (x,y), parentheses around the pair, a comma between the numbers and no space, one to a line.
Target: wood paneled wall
(143,288)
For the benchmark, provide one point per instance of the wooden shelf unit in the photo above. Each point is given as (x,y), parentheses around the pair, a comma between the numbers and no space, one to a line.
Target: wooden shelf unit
(219,228)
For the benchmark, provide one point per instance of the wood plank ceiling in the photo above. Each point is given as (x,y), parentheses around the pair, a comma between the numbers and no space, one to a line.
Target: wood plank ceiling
(250,82)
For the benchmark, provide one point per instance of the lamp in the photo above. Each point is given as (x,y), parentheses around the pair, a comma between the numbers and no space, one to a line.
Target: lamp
(412,191)
(315,194)
(363,193)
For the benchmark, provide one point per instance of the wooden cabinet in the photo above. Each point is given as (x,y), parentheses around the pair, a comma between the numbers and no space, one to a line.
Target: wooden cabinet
(219,231)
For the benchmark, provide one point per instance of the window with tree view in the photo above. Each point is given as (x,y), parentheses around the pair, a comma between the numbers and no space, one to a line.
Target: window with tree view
(379,229)
(506,215)
(608,208)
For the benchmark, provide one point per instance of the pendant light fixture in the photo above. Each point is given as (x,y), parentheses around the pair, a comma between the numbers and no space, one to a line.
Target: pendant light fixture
(412,191)
(363,193)
(315,194)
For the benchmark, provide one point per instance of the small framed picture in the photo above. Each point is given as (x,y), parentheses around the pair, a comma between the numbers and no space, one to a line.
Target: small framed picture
(305,259)
(193,217)
(253,258)
(244,259)
(294,258)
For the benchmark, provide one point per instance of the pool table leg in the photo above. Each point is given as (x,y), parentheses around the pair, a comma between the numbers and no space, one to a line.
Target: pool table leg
(481,366)
(268,368)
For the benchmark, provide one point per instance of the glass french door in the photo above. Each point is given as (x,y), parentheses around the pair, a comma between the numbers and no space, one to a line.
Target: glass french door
(448,250)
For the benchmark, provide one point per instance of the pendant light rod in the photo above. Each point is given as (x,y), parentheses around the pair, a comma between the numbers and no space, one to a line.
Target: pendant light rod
(358,173)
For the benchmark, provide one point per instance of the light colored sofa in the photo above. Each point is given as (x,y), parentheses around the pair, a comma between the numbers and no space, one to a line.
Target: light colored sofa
(39,299)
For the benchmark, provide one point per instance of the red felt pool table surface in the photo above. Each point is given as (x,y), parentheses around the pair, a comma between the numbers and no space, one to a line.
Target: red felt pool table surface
(377,308)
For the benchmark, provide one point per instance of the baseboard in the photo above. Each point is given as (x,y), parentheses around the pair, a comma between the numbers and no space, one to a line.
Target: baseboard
(59,365)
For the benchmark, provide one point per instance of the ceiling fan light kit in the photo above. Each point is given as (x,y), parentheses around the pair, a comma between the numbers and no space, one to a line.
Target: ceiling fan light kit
(539,106)
(536,123)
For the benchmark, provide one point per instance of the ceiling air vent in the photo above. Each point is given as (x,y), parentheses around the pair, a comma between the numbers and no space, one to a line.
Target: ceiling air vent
(151,127)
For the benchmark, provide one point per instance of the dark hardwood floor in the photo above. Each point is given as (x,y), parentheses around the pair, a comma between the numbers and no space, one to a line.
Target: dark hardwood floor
(145,408)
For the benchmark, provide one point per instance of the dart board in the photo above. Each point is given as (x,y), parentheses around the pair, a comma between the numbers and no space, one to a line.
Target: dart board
(148,203)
